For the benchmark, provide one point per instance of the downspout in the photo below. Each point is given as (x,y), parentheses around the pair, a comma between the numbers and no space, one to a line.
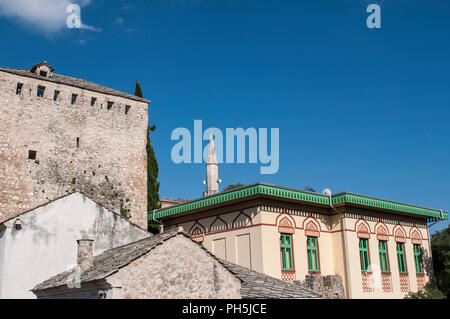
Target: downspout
(429,245)
(155,220)
(431,255)
(344,239)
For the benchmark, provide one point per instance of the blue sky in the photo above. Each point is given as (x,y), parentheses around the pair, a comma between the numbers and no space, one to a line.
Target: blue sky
(360,110)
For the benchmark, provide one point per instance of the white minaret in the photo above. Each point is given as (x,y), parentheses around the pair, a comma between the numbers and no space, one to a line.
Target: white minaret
(212,170)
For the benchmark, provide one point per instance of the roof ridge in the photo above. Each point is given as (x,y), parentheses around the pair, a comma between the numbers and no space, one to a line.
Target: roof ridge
(152,237)
(92,85)
(98,257)
(67,195)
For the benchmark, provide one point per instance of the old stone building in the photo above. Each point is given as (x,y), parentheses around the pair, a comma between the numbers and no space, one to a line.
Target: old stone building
(41,242)
(169,265)
(61,134)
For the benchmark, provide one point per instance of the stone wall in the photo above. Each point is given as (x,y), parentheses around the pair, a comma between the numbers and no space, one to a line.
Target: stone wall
(330,287)
(86,294)
(98,151)
(178,269)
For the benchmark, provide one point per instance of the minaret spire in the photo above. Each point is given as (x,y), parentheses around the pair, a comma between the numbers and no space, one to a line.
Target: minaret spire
(212,170)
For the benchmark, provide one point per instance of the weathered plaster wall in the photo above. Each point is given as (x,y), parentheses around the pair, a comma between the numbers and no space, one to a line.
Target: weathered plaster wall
(178,269)
(394,277)
(229,227)
(46,245)
(109,164)
(271,245)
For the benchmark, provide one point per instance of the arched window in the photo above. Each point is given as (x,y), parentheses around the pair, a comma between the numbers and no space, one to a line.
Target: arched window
(197,232)
(286,226)
(363,231)
(286,230)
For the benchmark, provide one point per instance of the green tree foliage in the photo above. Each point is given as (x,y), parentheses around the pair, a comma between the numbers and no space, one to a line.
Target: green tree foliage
(152,176)
(233,186)
(138,90)
(440,246)
(152,173)
(152,183)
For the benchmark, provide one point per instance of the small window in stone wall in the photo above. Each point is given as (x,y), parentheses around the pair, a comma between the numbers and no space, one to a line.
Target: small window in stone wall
(19,88)
(74,98)
(43,73)
(110,105)
(78,142)
(56,95)
(32,155)
(40,91)
(93,101)
(127,109)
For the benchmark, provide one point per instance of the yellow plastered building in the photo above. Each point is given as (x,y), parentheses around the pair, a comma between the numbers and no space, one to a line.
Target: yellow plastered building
(380,248)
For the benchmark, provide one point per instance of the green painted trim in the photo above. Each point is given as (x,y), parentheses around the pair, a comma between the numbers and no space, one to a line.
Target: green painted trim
(286,252)
(242,193)
(315,199)
(387,205)
(401,260)
(364,254)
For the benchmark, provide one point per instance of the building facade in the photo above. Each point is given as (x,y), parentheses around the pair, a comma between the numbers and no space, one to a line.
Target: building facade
(169,265)
(61,134)
(380,248)
(41,243)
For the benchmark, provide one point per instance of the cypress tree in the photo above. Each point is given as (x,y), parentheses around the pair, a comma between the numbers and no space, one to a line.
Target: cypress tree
(138,90)
(152,173)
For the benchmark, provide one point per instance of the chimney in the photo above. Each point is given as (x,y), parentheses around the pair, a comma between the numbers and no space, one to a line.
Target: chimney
(85,256)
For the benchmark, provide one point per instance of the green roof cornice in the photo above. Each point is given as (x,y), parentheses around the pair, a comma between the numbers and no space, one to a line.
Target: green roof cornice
(361,200)
(297,195)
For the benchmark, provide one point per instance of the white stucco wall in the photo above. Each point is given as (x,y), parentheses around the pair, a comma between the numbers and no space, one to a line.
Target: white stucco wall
(46,244)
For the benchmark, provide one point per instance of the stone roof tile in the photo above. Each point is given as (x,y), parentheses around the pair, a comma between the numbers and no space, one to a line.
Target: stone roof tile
(254,285)
(71,81)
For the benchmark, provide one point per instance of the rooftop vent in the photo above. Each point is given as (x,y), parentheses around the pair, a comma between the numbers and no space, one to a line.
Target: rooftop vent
(42,69)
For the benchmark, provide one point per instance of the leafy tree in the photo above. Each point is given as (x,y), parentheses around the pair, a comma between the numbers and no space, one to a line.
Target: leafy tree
(152,173)
(430,293)
(440,247)
(233,186)
(310,189)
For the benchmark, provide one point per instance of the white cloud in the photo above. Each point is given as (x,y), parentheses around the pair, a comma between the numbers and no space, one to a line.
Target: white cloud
(45,15)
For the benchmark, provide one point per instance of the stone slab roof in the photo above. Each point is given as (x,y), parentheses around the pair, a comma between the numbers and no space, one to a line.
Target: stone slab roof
(109,262)
(254,285)
(78,83)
